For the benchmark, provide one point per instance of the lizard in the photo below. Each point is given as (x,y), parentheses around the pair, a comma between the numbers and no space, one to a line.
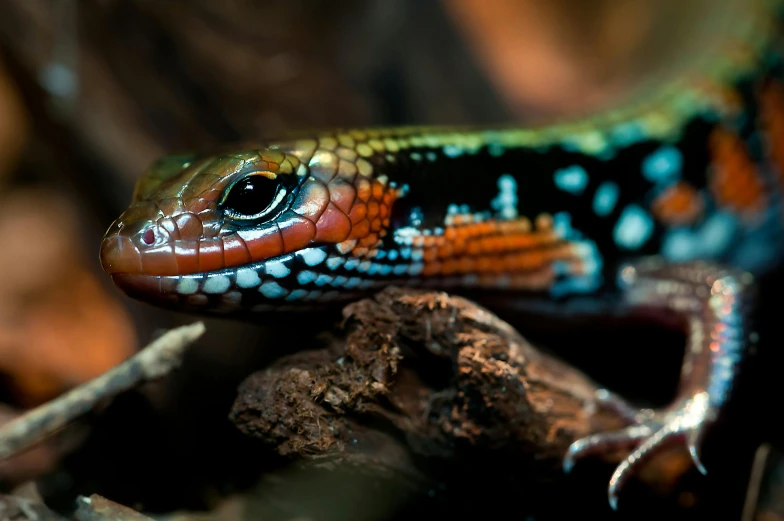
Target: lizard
(670,202)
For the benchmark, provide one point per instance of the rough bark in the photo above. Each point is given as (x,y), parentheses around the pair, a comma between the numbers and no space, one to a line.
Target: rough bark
(415,386)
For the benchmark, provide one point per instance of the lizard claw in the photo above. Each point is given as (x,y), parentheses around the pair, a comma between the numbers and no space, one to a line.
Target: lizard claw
(694,444)
(650,431)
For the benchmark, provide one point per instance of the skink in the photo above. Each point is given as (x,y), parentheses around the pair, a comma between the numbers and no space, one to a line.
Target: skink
(671,202)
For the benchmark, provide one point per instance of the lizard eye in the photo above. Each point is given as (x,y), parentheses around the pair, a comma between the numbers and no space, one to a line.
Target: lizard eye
(257,195)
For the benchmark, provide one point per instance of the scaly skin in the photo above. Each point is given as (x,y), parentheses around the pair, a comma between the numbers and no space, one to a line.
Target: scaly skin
(670,203)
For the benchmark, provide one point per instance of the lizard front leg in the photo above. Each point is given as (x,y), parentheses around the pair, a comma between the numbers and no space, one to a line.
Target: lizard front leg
(715,302)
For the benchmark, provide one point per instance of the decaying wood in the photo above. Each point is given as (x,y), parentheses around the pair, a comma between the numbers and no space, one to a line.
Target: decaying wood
(416,375)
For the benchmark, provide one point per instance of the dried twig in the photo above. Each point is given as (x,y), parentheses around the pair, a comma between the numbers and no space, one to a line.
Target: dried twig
(154,361)
(98,508)
(23,509)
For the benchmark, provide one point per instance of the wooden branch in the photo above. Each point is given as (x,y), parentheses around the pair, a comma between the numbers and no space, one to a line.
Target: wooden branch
(154,361)
(415,376)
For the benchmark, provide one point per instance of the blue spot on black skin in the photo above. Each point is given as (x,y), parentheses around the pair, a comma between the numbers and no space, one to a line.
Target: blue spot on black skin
(634,228)
(605,198)
(663,165)
(571,179)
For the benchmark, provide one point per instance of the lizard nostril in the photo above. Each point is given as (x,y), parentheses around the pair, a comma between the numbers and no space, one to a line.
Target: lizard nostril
(148,237)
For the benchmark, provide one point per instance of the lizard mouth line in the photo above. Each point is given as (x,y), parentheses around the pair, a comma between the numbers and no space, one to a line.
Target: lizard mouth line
(309,275)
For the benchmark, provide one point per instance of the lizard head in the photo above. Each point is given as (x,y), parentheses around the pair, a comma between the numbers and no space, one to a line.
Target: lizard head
(242,230)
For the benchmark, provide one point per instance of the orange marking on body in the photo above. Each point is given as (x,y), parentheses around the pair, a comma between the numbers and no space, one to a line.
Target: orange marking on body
(494,248)
(371,239)
(446,249)
(450,266)
(772,120)
(358,212)
(431,268)
(536,281)
(389,197)
(678,204)
(483,264)
(734,180)
(472,248)
(372,210)
(459,219)
(544,221)
(467,264)
(360,229)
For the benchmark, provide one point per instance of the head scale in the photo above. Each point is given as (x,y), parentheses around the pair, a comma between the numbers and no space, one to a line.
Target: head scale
(237,231)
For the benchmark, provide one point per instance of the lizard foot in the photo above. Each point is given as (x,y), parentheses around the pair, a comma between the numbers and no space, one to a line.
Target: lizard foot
(647,431)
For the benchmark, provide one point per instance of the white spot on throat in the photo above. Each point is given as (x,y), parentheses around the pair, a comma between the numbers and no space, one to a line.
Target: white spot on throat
(247,278)
(276,268)
(312,256)
(187,286)
(217,284)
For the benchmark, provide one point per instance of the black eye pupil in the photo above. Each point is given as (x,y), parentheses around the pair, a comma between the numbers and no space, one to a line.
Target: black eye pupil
(252,195)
